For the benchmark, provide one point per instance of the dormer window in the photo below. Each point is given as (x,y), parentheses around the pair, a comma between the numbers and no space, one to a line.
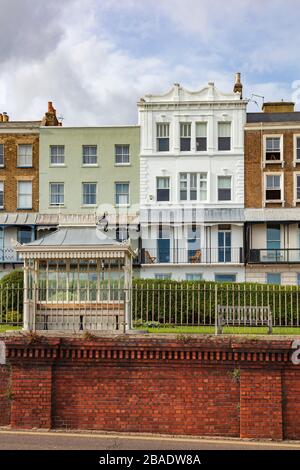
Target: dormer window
(273,149)
(163,137)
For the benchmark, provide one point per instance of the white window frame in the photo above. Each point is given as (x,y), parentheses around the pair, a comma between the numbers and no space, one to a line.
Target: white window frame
(50,155)
(84,204)
(157,189)
(90,164)
(231,136)
(18,156)
(295,137)
(297,173)
(128,203)
(18,186)
(122,155)
(2,183)
(157,136)
(231,189)
(2,155)
(272,136)
(198,180)
(275,201)
(206,136)
(61,204)
(200,275)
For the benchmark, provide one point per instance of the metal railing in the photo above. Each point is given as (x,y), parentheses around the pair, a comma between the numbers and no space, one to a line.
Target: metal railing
(285,255)
(196,303)
(9,255)
(192,256)
(147,303)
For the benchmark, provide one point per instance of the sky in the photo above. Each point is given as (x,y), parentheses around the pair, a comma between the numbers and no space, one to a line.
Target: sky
(95,58)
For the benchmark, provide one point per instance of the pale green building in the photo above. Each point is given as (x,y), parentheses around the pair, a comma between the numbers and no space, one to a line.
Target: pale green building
(82,168)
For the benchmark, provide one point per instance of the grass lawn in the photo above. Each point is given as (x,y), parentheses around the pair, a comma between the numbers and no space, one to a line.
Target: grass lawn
(226,330)
(4,328)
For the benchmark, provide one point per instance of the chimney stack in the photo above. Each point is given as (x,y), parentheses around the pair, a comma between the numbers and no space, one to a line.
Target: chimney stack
(1,117)
(50,118)
(5,117)
(238,87)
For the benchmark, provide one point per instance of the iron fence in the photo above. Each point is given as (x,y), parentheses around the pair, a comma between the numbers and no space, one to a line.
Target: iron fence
(146,303)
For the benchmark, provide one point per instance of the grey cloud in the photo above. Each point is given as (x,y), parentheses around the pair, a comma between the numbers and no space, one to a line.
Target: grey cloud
(29,28)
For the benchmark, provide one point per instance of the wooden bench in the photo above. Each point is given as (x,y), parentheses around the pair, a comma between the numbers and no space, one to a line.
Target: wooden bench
(98,316)
(243,316)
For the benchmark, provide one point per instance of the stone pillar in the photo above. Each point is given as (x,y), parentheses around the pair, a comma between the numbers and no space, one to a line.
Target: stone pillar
(261,404)
(32,395)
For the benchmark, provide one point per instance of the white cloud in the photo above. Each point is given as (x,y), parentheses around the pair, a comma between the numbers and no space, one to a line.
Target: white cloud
(70,52)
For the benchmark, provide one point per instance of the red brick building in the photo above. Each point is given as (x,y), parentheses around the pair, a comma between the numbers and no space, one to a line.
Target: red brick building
(19,183)
(272,194)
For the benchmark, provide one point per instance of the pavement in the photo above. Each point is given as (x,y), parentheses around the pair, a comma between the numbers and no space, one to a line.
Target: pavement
(60,440)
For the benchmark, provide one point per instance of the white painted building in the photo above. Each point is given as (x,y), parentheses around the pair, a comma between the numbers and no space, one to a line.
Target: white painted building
(192,183)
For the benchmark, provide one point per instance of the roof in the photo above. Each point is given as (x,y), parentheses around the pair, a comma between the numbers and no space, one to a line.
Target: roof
(20,124)
(273,117)
(75,236)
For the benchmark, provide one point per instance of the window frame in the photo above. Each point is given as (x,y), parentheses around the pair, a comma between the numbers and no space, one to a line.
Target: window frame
(206,136)
(18,194)
(225,274)
(83,184)
(158,138)
(116,194)
(18,156)
(272,136)
(199,179)
(295,138)
(51,204)
(2,183)
(296,175)
(278,201)
(185,139)
(231,188)
(272,274)
(122,163)
(64,155)
(230,137)
(83,156)
(2,155)
(163,189)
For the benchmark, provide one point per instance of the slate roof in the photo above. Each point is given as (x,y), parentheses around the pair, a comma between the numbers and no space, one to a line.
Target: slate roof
(75,236)
(273,117)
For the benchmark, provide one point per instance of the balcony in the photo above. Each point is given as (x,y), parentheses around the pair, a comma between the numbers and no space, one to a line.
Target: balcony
(9,256)
(184,256)
(271,256)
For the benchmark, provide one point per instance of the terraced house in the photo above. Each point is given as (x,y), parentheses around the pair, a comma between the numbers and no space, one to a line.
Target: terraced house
(272,194)
(192,183)
(88,174)
(19,184)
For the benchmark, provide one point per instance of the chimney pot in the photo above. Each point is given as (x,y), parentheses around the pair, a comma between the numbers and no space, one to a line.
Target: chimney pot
(238,87)
(1,117)
(5,117)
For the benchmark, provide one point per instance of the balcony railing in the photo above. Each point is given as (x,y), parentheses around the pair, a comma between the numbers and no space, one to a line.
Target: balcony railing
(271,256)
(195,256)
(9,255)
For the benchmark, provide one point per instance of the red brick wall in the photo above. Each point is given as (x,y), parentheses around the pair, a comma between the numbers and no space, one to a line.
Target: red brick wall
(204,386)
(5,395)
(179,400)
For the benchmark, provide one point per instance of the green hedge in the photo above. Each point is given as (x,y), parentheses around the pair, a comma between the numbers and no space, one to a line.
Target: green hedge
(194,302)
(11,297)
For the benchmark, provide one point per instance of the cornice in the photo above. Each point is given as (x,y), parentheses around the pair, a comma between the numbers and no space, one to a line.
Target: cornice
(133,350)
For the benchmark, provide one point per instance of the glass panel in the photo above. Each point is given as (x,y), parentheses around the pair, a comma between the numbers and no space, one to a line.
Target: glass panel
(57,154)
(163,246)
(89,193)
(274,278)
(25,194)
(225,277)
(201,129)
(122,193)
(122,154)
(1,154)
(89,154)
(25,155)
(57,193)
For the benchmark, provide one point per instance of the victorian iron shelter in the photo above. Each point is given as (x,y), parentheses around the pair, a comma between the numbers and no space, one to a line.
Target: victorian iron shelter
(77,279)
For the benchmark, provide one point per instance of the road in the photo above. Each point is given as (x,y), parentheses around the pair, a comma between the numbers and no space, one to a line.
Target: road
(23,440)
